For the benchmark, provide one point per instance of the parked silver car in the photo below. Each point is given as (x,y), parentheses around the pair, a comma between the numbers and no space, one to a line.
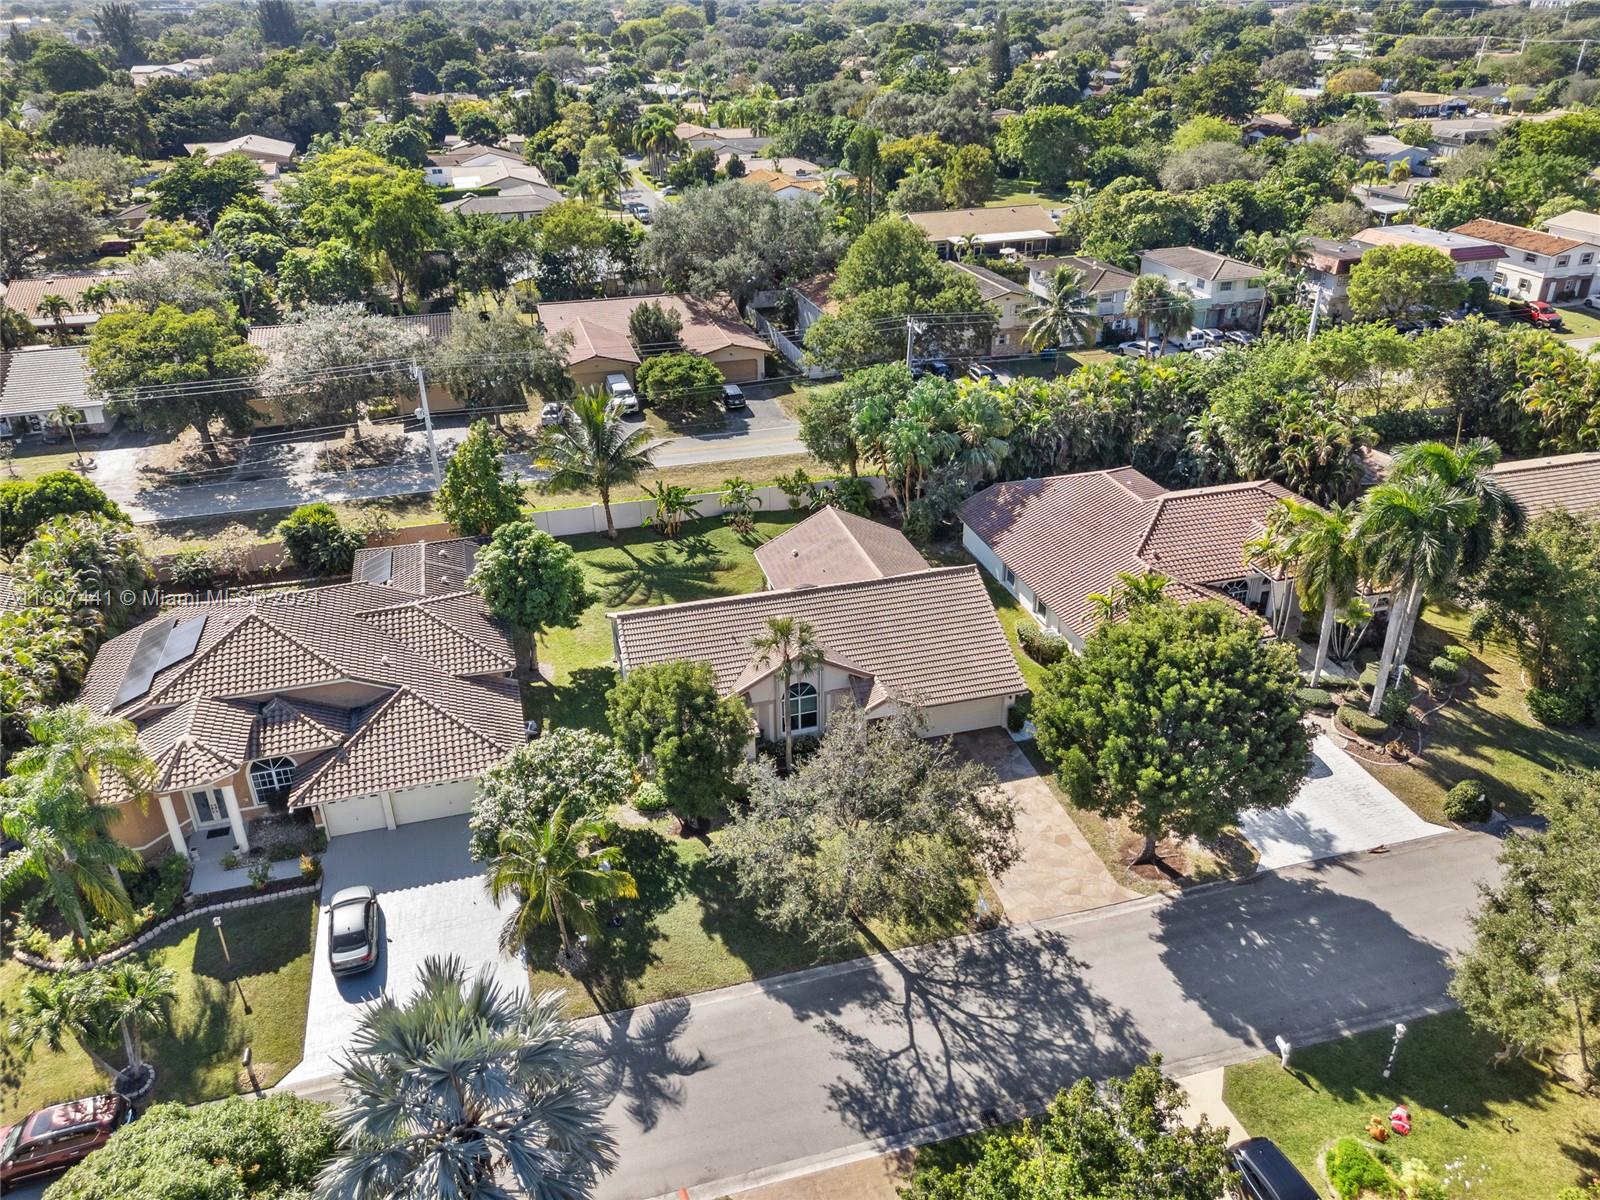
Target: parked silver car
(353,930)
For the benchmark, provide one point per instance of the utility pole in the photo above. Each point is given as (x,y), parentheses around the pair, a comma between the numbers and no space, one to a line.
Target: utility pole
(1582,50)
(1316,311)
(427,421)
(1483,46)
(910,331)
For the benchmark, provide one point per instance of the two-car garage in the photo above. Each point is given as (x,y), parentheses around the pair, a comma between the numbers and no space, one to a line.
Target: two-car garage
(359,814)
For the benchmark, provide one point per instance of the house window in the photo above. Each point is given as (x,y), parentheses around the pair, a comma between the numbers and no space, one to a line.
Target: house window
(1000,339)
(1563,260)
(1585,259)
(802,706)
(271,779)
(1225,286)
(1236,589)
(1522,284)
(1008,575)
(1528,258)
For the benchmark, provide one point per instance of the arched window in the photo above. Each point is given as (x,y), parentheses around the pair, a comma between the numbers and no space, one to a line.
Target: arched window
(271,779)
(802,706)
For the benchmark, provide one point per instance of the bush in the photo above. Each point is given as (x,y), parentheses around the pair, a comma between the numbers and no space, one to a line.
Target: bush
(1044,647)
(853,496)
(310,868)
(260,875)
(27,504)
(576,767)
(1315,697)
(1369,677)
(161,885)
(1459,655)
(317,542)
(1443,670)
(190,569)
(800,489)
(1555,708)
(1359,723)
(1352,1170)
(679,381)
(1335,682)
(1467,803)
(1408,425)
(650,799)
(1018,714)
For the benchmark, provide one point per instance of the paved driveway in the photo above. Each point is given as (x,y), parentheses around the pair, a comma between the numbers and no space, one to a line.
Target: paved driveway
(433,903)
(1341,809)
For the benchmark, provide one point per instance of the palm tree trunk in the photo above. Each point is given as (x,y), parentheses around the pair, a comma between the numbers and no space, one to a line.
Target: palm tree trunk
(1413,615)
(1323,640)
(780,710)
(1397,618)
(561,927)
(1583,1035)
(605,503)
(130,1044)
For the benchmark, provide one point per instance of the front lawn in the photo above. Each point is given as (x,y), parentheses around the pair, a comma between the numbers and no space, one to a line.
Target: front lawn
(690,931)
(199,1058)
(1579,322)
(1512,1132)
(707,559)
(32,459)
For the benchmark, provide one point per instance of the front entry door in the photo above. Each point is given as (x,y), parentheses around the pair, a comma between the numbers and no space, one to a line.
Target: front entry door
(210,808)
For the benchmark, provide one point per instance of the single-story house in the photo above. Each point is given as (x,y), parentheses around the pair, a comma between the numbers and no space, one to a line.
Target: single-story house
(1387,199)
(1107,284)
(1012,301)
(785,186)
(270,154)
(475,154)
(1386,150)
(507,178)
(743,141)
(602,344)
(144,74)
(1450,134)
(1228,293)
(368,703)
(24,295)
(131,219)
(1537,265)
(1424,104)
(1023,228)
(36,380)
(1474,257)
(1267,125)
(894,632)
(1055,542)
(785,164)
(508,206)
(1564,481)
(1325,268)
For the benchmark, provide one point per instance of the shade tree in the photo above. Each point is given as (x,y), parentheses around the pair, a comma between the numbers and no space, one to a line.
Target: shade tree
(530,580)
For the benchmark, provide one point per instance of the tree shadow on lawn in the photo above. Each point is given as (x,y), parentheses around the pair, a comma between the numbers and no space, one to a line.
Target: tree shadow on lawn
(663,573)
(580,703)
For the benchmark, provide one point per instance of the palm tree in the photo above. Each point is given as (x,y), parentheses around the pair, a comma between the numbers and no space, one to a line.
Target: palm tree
(554,876)
(136,996)
(981,430)
(739,502)
(1152,299)
(1320,547)
(594,450)
(466,1090)
(674,505)
(69,418)
(73,747)
(1134,590)
(1369,172)
(53,1008)
(792,643)
(1399,171)
(1412,533)
(56,307)
(1066,316)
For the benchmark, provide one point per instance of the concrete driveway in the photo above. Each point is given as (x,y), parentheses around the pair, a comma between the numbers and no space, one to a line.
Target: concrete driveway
(1340,810)
(433,903)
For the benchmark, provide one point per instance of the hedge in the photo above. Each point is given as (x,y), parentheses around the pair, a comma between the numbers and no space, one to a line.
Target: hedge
(1555,708)
(1314,697)
(1444,670)
(1359,723)
(1043,647)
(1467,803)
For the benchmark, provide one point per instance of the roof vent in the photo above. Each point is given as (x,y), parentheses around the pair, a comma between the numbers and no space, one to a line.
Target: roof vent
(385,661)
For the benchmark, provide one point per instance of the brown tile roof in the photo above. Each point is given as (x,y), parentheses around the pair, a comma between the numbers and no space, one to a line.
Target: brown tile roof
(1530,240)
(199,742)
(1097,276)
(600,327)
(297,727)
(1014,219)
(423,326)
(466,152)
(437,568)
(1202,264)
(816,290)
(776,181)
(429,626)
(1068,537)
(24,294)
(925,637)
(1565,481)
(832,546)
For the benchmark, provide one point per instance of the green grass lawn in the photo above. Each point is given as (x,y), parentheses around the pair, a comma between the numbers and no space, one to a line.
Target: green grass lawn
(1486,733)
(1580,322)
(1025,191)
(198,1058)
(641,567)
(32,459)
(1513,1132)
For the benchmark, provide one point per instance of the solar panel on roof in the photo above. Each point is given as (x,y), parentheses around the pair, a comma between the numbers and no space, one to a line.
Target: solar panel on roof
(146,660)
(185,636)
(379,567)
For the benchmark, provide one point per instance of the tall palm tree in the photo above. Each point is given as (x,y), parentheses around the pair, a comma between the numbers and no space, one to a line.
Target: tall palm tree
(790,643)
(594,450)
(1151,299)
(1066,316)
(69,418)
(74,747)
(466,1090)
(1412,532)
(1320,547)
(56,307)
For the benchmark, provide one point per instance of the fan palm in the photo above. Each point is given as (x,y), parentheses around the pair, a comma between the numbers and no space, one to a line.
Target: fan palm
(792,645)
(467,1092)
(594,450)
(554,876)
(1319,546)
(1066,316)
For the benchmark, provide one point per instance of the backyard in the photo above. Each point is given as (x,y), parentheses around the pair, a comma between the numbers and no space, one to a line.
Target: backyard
(1510,1132)
(259,1001)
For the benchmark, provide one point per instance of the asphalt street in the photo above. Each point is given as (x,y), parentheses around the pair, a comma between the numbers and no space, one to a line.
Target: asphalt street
(734,1088)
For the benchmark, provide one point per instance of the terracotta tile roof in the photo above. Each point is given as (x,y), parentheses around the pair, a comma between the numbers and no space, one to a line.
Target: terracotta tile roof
(437,568)
(832,546)
(776,181)
(1068,537)
(816,290)
(24,294)
(297,727)
(925,637)
(198,742)
(1017,220)
(1530,240)
(600,327)
(1565,481)
(421,625)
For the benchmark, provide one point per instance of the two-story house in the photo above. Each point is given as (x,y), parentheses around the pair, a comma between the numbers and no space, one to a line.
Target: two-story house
(1227,293)
(1012,301)
(1325,274)
(1107,284)
(1474,258)
(1537,266)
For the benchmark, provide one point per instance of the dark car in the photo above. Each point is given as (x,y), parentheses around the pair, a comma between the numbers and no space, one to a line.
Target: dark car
(1265,1172)
(55,1138)
(353,930)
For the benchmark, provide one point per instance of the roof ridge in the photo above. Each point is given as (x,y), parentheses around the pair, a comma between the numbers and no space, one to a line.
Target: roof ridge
(255,614)
(422,604)
(807,590)
(332,755)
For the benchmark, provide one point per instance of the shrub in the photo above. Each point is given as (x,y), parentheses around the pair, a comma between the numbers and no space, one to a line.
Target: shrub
(576,767)
(161,885)
(1359,723)
(27,504)
(853,496)
(310,868)
(1017,715)
(650,799)
(1555,708)
(1407,425)
(1352,1170)
(190,569)
(1044,647)
(679,381)
(260,875)
(1315,697)
(801,490)
(1443,670)
(317,542)
(230,860)
(1459,655)
(1335,682)
(1369,677)
(1467,803)
(1417,1182)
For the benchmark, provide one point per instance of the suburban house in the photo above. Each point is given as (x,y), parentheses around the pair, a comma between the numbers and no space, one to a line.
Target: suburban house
(1266,125)
(1012,301)
(24,295)
(1325,274)
(1474,258)
(1055,542)
(784,164)
(473,154)
(1387,198)
(515,205)
(1424,104)
(894,633)
(144,74)
(422,327)
(1107,284)
(602,345)
(1228,293)
(35,381)
(1537,266)
(1386,151)
(744,142)
(371,704)
(270,154)
(785,186)
(1451,134)
(1576,224)
(1019,228)
(1564,481)
(507,178)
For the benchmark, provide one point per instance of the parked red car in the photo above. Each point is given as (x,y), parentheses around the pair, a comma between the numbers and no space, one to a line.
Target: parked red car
(55,1138)
(1541,313)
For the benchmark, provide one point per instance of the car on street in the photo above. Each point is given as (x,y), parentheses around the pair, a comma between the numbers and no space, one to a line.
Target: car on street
(621,392)
(1143,348)
(1210,352)
(551,413)
(1540,312)
(732,396)
(1265,1172)
(1592,301)
(638,210)
(669,190)
(353,930)
(980,372)
(52,1139)
(1241,337)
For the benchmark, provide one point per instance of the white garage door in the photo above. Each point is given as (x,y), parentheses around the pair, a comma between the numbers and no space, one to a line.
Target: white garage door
(438,800)
(355,815)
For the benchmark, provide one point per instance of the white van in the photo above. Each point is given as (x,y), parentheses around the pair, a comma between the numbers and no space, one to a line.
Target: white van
(620,390)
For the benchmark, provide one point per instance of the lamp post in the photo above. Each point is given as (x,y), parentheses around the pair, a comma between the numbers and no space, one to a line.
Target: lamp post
(216,923)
